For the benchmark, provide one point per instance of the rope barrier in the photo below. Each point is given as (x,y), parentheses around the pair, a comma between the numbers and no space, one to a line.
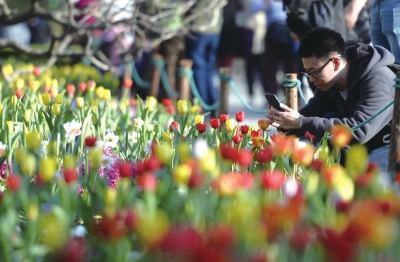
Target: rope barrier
(164,78)
(232,84)
(138,80)
(295,83)
(189,73)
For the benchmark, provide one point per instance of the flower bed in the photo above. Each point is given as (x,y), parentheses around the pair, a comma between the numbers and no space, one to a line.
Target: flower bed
(89,177)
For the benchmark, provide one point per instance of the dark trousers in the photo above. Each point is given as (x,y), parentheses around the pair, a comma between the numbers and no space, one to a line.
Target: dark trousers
(202,49)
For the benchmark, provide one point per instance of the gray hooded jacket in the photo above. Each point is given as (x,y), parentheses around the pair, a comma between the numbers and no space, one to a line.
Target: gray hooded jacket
(370,88)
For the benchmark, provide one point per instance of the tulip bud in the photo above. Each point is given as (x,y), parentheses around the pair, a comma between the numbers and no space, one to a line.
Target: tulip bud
(27,115)
(107,94)
(263,124)
(33,139)
(182,107)
(46,98)
(28,165)
(47,168)
(100,92)
(59,99)
(199,119)
(80,102)
(56,109)
(181,174)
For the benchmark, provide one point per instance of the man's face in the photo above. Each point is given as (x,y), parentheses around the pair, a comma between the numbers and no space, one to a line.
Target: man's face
(320,72)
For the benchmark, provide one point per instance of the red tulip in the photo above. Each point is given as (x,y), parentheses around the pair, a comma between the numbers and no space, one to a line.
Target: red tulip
(153,163)
(36,71)
(140,166)
(76,250)
(174,125)
(82,87)
(247,180)
(256,133)
(70,89)
(125,169)
(227,151)
(147,182)
(128,82)
(19,93)
(170,109)
(166,102)
(272,179)
(265,155)
(215,123)
(201,127)
(196,179)
(70,175)
(90,141)
(239,116)
(13,182)
(308,135)
(244,129)
(245,157)
(223,118)
(237,138)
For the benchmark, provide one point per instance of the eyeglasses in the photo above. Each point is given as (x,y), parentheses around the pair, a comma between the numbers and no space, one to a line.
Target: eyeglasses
(315,74)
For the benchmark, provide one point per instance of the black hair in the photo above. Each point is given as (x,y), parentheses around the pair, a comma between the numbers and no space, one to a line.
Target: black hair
(322,43)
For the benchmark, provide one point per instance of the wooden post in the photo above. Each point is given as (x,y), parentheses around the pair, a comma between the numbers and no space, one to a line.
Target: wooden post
(184,81)
(155,81)
(291,94)
(394,152)
(224,91)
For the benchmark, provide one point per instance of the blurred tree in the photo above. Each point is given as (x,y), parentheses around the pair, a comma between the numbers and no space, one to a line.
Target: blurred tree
(78,28)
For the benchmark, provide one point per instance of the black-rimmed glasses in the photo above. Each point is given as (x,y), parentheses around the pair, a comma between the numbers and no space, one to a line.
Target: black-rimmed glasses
(315,74)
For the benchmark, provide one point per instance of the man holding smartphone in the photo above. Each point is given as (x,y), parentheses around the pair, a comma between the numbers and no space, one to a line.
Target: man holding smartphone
(352,84)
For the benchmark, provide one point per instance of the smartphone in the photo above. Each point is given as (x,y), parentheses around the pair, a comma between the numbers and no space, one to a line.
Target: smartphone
(273,101)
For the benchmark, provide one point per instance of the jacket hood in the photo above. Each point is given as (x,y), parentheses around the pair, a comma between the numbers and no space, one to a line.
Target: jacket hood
(363,58)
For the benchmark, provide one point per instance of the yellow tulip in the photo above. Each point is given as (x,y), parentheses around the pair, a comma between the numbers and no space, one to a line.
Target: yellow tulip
(54,84)
(164,153)
(69,162)
(110,196)
(95,157)
(167,136)
(356,160)
(183,151)
(80,102)
(230,124)
(151,103)
(10,126)
(56,109)
(27,115)
(33,139)
(199,119)
(14,100)
(100,92)
(181,174)
(33,212)
(194,109)
(8,69)
(47,168)
(19,154)
(19,83)
(46,99)
(59,99)
(107,94)
(208,161)
(152,226)
(182,107)
(28,165)
(53,229)
(1,109)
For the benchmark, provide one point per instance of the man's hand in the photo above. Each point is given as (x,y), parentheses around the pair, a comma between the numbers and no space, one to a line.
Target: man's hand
(289,119)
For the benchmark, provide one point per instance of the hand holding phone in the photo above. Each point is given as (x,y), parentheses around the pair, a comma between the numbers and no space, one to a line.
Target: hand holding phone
(273,101)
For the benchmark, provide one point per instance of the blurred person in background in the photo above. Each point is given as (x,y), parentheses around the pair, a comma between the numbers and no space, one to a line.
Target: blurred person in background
(385,25)
(229,46)
(280,48)
(201,47)
(252,21)
(357,16)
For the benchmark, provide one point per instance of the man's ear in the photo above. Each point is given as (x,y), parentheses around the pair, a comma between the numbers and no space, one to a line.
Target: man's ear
(336,62)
